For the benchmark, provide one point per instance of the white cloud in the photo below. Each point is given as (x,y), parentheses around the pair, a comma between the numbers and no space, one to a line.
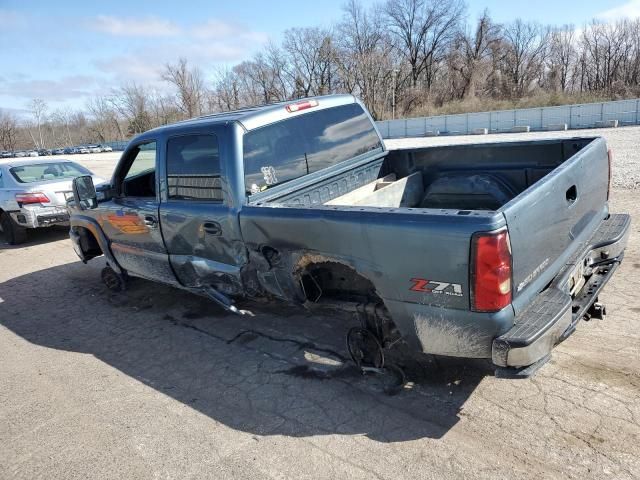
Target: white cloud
(204,45)
(134,27)
(132,67)
(69,87)
(218,30)
(630,9)
(131,50)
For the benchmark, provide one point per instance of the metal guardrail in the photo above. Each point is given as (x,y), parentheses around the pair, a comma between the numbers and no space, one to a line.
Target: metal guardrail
(586,115)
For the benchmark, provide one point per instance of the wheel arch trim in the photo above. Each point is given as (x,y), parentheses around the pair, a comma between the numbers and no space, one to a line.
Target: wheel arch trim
(94,228)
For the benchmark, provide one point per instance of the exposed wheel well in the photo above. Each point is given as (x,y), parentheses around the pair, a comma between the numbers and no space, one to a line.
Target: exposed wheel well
(337,284)
(88,242)
(338,281)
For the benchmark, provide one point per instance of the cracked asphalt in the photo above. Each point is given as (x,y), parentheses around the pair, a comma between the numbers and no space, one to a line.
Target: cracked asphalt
(158,383)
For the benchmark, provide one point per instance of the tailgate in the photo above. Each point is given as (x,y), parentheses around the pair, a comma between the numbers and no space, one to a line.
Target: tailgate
(553,218)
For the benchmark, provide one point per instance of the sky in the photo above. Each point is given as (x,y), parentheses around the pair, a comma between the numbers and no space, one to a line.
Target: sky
(68,51)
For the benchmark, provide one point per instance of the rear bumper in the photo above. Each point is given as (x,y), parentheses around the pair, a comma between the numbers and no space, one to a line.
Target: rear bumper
(37,216)
(554,314)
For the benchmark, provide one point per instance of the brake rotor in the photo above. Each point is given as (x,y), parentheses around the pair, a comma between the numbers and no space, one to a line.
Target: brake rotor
(365,349)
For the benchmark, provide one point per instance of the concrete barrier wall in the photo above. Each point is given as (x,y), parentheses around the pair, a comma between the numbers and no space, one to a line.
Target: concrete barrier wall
(587,115)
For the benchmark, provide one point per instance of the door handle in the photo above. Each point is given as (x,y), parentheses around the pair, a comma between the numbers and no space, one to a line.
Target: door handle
(212,228)
(150,221)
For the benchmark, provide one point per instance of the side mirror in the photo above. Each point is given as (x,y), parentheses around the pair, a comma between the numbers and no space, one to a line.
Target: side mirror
(84,192)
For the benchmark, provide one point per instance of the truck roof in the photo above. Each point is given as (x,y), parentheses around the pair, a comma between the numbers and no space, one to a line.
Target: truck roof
(258,116)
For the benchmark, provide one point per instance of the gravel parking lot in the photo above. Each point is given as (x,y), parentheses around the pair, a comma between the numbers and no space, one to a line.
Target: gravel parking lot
(158,383)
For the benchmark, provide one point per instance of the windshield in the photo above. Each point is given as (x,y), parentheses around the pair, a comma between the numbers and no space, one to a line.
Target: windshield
(42,172)
(305,144)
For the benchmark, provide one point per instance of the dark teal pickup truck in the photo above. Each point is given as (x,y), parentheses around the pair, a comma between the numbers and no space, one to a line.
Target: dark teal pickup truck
(487,251)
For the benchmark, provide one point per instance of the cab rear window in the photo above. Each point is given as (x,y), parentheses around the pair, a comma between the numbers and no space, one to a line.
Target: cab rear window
(44,172)
(306,143)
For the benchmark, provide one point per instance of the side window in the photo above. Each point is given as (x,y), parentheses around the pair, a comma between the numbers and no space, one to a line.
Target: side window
(193,168)
(1,179)
(140,178)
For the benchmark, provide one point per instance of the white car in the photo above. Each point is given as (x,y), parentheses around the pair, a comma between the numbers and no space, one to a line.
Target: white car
(32,194)
(106,148)
(94,148)
(32,153)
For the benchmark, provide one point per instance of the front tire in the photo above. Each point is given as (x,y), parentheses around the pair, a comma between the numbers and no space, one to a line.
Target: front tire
(10,231)
(113,280)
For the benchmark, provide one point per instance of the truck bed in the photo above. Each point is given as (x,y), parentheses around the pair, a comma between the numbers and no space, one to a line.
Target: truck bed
(457,177)
(549,194)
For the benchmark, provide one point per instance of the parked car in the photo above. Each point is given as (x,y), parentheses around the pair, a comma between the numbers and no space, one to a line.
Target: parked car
(482,251)
(32,153)
(70,151)
(58,151)
(20,154)
(44,152)
(94,149)
(6,154)
(32,195)
(82,149)
(105,148)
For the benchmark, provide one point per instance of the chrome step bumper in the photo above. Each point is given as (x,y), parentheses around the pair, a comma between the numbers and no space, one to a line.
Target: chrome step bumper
(554,315)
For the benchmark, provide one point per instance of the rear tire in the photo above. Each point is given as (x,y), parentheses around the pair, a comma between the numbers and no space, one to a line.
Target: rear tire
(10,231)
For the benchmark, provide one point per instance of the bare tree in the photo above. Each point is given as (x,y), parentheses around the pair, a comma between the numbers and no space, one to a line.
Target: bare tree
(280,66)
(312,57)
(8,130)
(631,65)
(163,109)
(365,57)
(610,55)
(38,108)
(189,83)
(105,125)
(227,90)
(562,56)
(524,55)
(62,119)
(423,29)
(471,54)
(131,102)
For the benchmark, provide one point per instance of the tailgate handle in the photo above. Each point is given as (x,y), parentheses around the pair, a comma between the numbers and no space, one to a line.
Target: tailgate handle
(572,194)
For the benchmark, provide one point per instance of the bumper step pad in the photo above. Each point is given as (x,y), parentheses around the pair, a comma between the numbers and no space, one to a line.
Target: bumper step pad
(611,230)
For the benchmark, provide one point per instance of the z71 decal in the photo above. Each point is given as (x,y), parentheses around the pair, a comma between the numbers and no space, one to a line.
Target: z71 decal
(432,286)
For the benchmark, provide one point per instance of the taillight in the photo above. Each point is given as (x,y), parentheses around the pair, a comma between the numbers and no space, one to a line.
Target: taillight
(610,158)
(35,197)
(303,105)
(490,271)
